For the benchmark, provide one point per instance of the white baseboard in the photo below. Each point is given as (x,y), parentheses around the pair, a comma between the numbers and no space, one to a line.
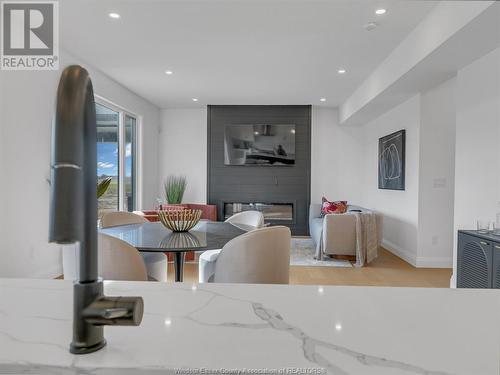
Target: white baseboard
(435,262)
(453,281)
(396,250)
(418,262)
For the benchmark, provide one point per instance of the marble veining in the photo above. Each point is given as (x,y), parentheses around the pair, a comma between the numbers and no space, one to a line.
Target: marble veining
(343,330)
(309,345)
(275,321)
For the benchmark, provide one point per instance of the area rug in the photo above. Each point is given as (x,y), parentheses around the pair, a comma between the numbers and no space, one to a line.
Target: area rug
(302,254)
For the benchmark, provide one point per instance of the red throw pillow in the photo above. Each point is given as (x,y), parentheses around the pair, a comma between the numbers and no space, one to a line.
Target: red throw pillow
(338,207)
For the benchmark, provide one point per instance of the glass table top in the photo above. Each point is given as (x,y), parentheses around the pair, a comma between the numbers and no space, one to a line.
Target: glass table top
(154,237)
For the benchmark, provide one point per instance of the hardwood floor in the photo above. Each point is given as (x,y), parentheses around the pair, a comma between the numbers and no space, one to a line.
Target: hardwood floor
(386,270)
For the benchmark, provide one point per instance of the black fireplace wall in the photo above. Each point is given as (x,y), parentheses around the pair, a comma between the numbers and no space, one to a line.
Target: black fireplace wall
(261,184)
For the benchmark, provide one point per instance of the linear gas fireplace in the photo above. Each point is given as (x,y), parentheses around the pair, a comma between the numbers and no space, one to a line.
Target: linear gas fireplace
(280,189)
(278,213)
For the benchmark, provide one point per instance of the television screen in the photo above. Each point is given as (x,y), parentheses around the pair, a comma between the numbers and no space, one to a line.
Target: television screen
(266,145)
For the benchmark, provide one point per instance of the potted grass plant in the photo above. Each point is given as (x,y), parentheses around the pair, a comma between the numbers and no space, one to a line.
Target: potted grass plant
(102,186)
(175,186)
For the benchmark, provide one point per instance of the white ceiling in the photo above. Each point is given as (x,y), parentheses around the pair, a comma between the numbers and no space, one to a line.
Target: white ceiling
(237,51)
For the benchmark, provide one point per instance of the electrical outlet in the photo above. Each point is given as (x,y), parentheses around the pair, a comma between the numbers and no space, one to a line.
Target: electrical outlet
(440,183)
(435,240)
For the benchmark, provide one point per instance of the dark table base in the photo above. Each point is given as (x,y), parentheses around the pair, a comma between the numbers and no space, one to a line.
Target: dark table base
(179,265)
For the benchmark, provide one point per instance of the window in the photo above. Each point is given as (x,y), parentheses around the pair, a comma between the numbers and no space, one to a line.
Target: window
(116,158)
(130,162)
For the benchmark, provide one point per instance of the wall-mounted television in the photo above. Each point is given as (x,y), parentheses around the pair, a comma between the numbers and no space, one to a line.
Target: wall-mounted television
(259,145)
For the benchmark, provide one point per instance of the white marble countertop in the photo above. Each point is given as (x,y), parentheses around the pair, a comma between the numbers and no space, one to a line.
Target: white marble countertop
(346,330)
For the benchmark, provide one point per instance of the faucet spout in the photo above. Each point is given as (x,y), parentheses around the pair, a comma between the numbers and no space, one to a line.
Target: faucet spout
(73,187)
(73,207)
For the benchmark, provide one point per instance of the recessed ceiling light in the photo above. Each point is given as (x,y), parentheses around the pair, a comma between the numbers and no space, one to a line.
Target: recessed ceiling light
(341,71)
(322,100)
(114,15)
(381,11)
(169,72)
(195,99)
(370,26)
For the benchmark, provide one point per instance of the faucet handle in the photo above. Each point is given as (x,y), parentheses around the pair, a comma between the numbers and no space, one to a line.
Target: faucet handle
(122,311)
(114,313)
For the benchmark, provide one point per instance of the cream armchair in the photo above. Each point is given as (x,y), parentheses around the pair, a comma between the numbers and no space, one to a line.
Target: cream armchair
(249,219)
(261,256)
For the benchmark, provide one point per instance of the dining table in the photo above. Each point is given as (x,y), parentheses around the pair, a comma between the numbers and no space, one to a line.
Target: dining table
(154,237)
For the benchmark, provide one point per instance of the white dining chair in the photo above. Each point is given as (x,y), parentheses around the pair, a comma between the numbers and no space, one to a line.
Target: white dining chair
(156,263)
(120,261)
(117,260)
(261,256)
(249,220)
(116,218)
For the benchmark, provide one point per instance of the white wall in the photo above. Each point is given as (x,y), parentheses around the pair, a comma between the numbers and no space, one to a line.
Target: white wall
(418,222)
(437,176)
(334,161)
(344,166)
(477,173)
(336,156)
(426,57)
(400,208)
(453,164)
(28,101)
(183,150)
(3,176)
